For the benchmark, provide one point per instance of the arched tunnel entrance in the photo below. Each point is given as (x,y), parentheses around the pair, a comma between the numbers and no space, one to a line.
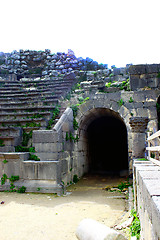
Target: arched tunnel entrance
(107,144)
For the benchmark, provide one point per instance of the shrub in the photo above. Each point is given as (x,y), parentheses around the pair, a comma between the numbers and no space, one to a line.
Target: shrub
(75,179)
(33,157)
(21,189)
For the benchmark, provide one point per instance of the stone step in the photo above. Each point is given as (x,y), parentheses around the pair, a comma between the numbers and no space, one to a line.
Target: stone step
(10,140)
(6,88)
(43,83)
(19,109)
(10,131)
(30,93)
(24,115)
(23,122)
(29,103)
(17,86)
(37,186)
(26,98)
(7,149)
(4,93)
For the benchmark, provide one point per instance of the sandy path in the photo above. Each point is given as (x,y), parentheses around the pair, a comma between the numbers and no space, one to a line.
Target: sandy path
(47,217)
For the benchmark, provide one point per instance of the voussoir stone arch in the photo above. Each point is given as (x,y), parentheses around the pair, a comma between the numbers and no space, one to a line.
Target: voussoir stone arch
(90,112)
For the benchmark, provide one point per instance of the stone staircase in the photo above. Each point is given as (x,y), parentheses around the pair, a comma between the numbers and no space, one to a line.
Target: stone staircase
(27,105)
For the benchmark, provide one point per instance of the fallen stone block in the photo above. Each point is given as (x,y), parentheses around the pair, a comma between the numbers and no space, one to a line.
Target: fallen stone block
(89,229)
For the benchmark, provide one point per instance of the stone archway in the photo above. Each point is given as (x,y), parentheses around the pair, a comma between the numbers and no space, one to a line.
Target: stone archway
(104,138)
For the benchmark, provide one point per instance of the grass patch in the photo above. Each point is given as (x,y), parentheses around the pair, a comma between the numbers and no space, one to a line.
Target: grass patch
(135,227)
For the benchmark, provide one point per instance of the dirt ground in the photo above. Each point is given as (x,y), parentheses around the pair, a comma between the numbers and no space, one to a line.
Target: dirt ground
(48,217)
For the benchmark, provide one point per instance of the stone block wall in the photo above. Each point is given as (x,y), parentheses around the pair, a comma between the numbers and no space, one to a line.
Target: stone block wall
(52,146)
(147,198)
(143,76)
(41,63)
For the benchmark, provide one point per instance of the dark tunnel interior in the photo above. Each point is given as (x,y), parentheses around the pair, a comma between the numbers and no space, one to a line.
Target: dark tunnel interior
(107,146)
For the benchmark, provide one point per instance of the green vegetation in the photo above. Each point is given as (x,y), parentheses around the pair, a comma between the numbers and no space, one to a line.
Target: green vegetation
(152,155)
(26,137)
(55,112)
(158,107)
(21,189)
(124,185)
(111,75)
(24,149)
(131,100)
(12,179)
(33,157)
(108,84)
(125,85)
(75,124)
(158,75)
(135,228)
(75,110)
(3,179)
(31,124)
(2,143)
(70,137)
(142,159)
(120,102)
(5,161)
(75,178)
(25,140)
(36,115)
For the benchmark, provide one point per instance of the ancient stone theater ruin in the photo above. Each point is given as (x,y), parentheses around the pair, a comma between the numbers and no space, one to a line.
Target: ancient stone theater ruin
(64,120)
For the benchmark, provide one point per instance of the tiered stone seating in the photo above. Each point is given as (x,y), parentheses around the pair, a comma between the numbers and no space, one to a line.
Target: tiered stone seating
(26,105)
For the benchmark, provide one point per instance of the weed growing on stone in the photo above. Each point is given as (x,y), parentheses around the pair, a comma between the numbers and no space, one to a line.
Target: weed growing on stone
(131,100)
(26,137)
(75,178)
(55,112)
(75,124)
(24,149)
(75,110)
(70,137)
(21,189)
(135,227)
(12,179)
(124,185)
(32,124)
(33,157)
(2,143)
(120,102)
(3,179)
(5,161)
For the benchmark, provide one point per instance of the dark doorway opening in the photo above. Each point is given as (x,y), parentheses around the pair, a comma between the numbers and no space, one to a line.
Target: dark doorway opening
(107,145)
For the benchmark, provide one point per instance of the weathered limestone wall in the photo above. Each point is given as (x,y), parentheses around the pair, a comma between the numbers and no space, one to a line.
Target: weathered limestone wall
(147,198)
(142,76)
(51,145)
(71,157)
(143,105)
